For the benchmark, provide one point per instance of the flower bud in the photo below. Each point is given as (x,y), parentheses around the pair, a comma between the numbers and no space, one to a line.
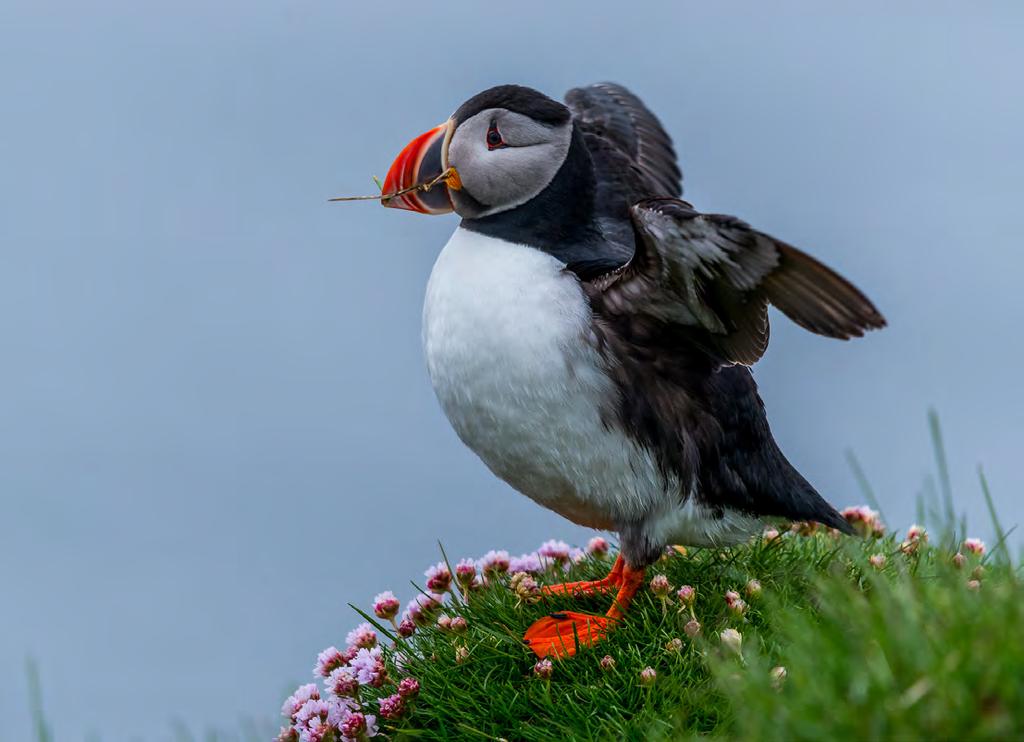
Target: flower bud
(439,578)
(409,688)
(959,560)
(692,628)
(465,573)
(544,669)
(778,676)
(386,605)
(732,640)
(877,560)
(975,546)
(597,546)
(407,628)
(648,675)
(674,645)
(753,589)
(459,625)
(974,585)
(917,533)
(686,595)
(607,663)
(660,586)
(461,655)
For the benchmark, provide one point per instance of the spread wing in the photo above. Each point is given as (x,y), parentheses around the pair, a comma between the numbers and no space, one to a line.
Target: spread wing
(717,274)
(633,155)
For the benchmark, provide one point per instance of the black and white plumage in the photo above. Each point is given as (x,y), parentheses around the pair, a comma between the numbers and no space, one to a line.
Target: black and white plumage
(588,333)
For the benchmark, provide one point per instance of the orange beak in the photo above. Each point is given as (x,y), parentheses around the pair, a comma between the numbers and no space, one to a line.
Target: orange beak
(421,161)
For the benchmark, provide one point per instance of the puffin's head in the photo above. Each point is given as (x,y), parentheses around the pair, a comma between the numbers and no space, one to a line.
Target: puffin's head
(504,146)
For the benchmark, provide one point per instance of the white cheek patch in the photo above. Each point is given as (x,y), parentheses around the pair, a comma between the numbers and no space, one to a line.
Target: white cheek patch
(507,177)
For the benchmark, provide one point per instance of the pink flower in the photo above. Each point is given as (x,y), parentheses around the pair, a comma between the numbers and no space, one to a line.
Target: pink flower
(544,669)
(607,663)
(864,520)
(362,636)
(686,595)
(576,555)
(494,562)
(386,605)
(525,587)
(529,563)
(439,579)
(597,546)
(974,585)
(303,693)
(461,655)
(423,608)
(342,682)
(555,550)
(392,707)
(358,725)
(406,628)
(738,607)
(804,527)
(648,675)
(731,596)
(459,625)
(692,628)
(660,586)
(287,734)
(369,668)
(311,720)
(409,688)
(917,533)
(877,560)
(465,572)
(770,534)
(328,660)
(339,707)
(975,546)
(444,622)
(753,589)
(315,730)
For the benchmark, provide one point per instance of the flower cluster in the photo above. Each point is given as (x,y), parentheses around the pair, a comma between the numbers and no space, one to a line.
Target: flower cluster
(864,520)
(356,675)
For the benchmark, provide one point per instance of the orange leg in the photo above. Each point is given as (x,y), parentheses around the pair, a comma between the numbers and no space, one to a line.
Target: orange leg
(562,634)
(589,587)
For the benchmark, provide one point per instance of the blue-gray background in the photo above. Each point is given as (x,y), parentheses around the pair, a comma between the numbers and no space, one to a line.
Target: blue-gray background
(216,426)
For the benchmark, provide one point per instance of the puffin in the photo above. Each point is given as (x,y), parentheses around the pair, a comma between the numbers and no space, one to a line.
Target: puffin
(589,334)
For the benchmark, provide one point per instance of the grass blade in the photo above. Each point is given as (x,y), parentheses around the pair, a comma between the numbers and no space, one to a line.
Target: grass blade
(865,485)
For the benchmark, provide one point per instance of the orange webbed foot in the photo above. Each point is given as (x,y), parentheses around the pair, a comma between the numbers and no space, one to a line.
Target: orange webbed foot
(612,581)
(562,634)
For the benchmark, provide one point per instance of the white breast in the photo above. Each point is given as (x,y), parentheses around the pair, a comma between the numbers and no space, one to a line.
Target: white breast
(511,354)
(509,350)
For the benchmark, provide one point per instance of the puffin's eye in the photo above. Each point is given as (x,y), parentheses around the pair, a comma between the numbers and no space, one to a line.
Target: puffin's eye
(494,140)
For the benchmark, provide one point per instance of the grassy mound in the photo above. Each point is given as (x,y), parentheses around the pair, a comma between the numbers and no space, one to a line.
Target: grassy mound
(838,637)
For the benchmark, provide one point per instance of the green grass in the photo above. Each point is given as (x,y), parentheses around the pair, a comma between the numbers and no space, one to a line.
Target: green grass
(907,651)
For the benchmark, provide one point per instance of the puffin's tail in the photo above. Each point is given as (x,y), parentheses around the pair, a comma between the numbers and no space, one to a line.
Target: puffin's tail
(751,473)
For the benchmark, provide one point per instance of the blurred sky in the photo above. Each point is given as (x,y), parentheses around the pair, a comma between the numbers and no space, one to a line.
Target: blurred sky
(216,425)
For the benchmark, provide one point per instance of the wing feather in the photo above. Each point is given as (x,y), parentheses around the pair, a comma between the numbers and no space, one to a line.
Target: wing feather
(718,275)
